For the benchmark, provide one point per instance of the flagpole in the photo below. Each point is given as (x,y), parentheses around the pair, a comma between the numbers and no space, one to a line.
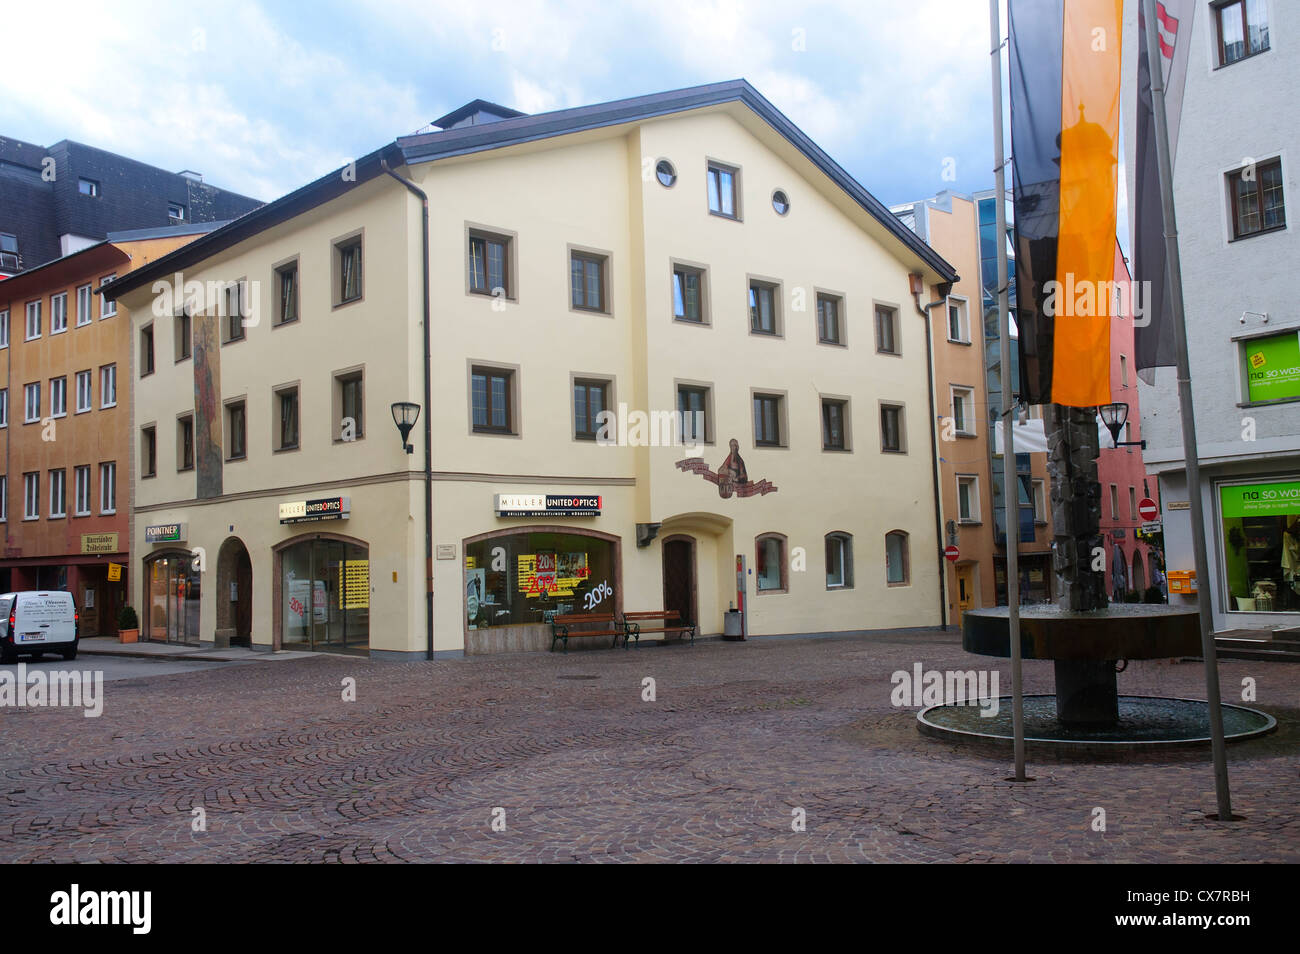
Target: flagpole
(1008,423)
(1191,451)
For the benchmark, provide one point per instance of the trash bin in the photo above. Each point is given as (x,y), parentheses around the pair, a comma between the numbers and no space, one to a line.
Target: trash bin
(731,625)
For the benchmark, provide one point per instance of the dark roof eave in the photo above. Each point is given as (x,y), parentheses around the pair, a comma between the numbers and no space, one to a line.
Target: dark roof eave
(58,271)
(322,190)
(510,132)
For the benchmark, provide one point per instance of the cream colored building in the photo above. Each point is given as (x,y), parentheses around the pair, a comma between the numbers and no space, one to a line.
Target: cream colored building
(678,251)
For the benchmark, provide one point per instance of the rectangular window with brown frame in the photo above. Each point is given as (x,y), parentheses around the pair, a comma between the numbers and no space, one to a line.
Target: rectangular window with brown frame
(886,329)
(590,398)
(183,326)
(233,298)
(688,294)
(722,190)
(1258,204)
(490,390)
(286,431)
(185,442)
(146,350)
(587,281)
(149,451)
(489,264)
(349,406)
(236,431)
(828,319)
(1241,28)
(891,429)
(286,282)
(349,270)
(693,409)
(834,424)
(763,308)
(767,420)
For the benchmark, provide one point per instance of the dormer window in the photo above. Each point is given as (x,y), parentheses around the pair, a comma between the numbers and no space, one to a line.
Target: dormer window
(88,187)
(176,211)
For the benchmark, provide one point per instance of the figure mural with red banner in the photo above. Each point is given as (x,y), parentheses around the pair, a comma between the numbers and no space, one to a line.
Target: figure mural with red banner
(731,477)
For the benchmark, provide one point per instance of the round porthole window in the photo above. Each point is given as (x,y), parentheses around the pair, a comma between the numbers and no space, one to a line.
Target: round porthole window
(780,202)
(665,173)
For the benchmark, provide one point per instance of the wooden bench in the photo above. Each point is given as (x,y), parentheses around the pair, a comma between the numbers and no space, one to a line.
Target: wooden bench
(562,627)
(669,621)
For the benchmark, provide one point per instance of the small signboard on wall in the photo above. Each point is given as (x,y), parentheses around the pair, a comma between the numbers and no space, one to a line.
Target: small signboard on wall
(323,508)
(548,505)
(99,543)
(166,533)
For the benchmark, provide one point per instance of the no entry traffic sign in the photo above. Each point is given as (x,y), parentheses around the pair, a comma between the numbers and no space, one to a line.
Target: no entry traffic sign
(951,553)
(1147,509)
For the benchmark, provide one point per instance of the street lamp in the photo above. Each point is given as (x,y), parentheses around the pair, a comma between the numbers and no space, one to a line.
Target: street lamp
(1114,416)
(405,414)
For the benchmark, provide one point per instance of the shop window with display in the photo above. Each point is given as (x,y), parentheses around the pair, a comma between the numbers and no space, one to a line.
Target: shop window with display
(530,577)
(1260,542)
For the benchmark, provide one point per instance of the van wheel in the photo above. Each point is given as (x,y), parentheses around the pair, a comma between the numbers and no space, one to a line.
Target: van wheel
(8,656)
(70,654)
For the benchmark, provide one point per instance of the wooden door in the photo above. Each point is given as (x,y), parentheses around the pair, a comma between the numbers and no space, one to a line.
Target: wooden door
(679,577)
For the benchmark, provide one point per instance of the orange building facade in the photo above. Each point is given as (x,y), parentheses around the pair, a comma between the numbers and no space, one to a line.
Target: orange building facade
(66,366)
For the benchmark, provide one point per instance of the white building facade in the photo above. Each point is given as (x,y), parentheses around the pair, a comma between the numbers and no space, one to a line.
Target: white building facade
(1235,176)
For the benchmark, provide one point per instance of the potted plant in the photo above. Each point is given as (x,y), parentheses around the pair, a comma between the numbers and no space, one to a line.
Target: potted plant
(128,625)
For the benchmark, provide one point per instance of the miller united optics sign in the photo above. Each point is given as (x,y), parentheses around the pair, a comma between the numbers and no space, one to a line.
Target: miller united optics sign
(324,508)
(547,505)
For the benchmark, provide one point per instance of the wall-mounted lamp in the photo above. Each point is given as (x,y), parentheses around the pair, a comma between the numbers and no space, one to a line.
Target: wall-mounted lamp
(405,414)
(1114,416)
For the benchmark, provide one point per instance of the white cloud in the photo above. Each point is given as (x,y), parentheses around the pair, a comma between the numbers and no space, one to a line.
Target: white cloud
(267,104)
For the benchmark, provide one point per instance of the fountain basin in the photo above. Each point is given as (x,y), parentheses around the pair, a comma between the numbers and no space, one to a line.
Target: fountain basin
(1085,645)
(1118,631)
(1145,723)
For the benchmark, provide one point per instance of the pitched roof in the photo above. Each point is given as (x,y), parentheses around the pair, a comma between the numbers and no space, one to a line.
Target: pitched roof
(463,140)
(509,132)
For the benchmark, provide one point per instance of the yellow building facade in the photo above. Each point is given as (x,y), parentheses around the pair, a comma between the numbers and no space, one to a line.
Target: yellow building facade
(688,252)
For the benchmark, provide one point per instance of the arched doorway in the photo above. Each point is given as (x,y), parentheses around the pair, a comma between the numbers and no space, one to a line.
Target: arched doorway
(1139,574)
(679,576)
(234,594)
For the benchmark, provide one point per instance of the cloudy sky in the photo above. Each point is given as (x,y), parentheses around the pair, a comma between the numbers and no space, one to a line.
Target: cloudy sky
(262,96)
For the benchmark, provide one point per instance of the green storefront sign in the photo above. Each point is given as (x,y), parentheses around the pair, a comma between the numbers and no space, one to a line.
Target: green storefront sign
(1273,367)
(1260,500)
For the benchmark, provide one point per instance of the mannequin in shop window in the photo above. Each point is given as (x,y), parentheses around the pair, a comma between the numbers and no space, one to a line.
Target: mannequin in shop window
(1291,559)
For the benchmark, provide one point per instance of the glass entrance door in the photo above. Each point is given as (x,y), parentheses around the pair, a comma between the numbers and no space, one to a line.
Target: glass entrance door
(174,595)
(325,587)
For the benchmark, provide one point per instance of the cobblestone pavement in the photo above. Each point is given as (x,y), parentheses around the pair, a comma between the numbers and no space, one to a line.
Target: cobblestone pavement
(739,736)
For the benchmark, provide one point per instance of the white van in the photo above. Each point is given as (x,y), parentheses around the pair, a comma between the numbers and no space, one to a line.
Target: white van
(35,622)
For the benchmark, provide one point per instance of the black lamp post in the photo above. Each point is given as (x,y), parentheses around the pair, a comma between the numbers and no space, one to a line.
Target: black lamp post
(1114,416)
(405,414)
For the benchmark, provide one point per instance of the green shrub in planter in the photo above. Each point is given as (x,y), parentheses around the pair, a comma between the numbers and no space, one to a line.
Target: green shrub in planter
(126,618)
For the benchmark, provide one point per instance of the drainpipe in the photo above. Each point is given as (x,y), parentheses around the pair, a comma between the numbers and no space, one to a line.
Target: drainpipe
(428,414)
(944,288)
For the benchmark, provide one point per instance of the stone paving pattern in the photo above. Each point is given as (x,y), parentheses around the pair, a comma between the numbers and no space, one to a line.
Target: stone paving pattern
(740,734)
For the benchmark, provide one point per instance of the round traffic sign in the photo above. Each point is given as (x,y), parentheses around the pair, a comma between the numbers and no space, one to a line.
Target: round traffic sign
(1147,509)
(951,553)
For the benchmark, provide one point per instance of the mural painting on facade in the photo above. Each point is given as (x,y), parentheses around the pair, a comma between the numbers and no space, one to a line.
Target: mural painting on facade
(207,405)
(731,477)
